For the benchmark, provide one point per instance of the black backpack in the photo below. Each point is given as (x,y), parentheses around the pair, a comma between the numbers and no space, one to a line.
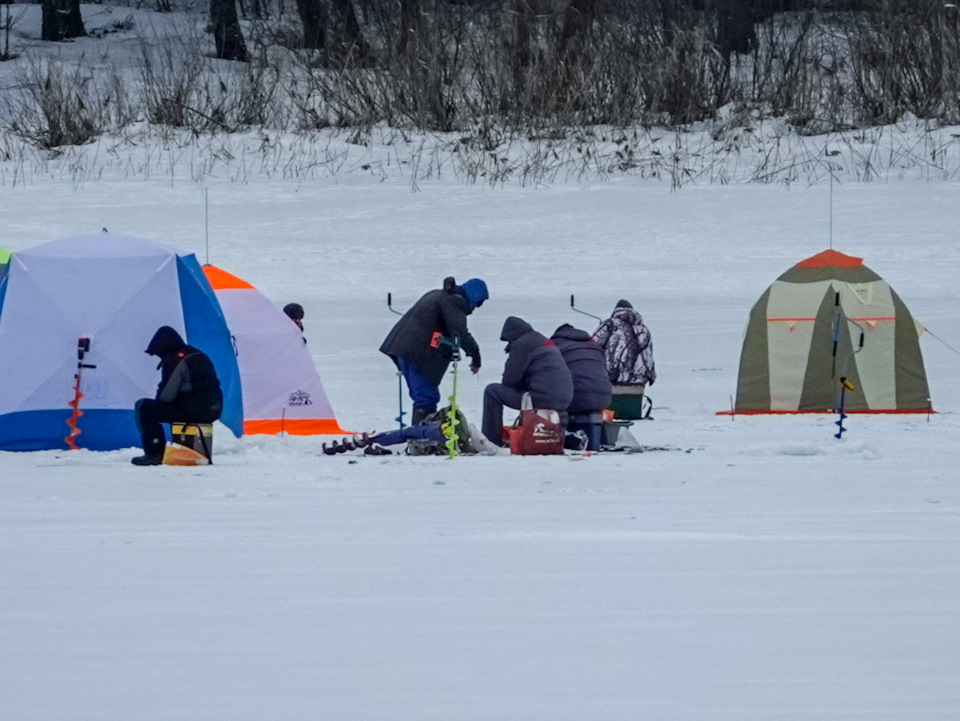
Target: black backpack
(423,447)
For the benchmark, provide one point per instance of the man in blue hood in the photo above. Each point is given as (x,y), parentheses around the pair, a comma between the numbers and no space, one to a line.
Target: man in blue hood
(410,344)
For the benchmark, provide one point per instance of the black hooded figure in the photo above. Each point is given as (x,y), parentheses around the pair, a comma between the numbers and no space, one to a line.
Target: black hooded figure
(535,366)
(189,391)
(294,311)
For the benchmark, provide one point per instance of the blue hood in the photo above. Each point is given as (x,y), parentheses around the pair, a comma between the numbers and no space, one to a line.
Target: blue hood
(474,292)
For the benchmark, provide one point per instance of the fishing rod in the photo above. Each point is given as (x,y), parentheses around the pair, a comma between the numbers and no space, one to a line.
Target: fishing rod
(574,307)
(390,304)
(401,413)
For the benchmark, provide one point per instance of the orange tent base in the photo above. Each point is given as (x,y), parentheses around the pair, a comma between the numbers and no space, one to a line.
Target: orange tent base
(295,427)
(805,413)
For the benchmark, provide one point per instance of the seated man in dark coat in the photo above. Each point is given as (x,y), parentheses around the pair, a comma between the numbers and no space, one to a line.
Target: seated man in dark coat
(591,385)
(410,344)
(189,391)
(535,366)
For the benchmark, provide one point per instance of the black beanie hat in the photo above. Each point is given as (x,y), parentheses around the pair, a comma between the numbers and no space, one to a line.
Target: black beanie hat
(624,304)
(294,311)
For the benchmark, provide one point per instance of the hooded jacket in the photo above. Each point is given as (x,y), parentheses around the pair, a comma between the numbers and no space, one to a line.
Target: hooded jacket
(441,311)
(627,347)
(534,365)
(187,375)
(588,368)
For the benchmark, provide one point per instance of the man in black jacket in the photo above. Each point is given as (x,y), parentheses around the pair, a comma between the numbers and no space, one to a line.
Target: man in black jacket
(420,354)
(189,391)
(588,367)
(591,384)
(535,366)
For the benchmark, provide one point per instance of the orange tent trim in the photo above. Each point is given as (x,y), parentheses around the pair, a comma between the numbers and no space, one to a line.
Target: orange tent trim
(811,320)
(831,258)
(804,413)
(222,280)
(293,426)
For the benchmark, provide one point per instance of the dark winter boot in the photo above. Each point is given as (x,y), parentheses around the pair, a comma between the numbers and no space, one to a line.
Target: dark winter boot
(147,460)
(375,450)
(420,413)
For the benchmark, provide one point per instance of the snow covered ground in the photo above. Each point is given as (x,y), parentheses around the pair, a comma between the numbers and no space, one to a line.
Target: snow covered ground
(756,569)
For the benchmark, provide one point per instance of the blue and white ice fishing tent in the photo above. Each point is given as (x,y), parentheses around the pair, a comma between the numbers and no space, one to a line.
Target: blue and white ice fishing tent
(116,291)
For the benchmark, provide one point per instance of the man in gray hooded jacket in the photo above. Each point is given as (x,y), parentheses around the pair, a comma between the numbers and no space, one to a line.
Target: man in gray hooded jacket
(535,366)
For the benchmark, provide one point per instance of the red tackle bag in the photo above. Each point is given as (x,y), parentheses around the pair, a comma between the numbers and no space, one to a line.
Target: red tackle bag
(536,432)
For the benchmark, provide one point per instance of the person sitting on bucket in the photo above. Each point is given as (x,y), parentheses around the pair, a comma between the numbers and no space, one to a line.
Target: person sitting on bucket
(189,391)
(588,368)
(628,350)
(411,344)
(535,366)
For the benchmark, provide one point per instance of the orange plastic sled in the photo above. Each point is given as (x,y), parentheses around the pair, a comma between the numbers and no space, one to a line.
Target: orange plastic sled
(176,455)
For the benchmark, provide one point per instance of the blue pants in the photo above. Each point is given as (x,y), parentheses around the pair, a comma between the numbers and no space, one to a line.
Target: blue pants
(495,397)
(429,432)
(424,394)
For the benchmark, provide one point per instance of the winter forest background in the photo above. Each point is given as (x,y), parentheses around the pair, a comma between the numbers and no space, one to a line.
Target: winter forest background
(494,91)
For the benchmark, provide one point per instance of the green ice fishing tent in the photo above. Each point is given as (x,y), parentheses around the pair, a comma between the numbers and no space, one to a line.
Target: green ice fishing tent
(4,259)
(830,317)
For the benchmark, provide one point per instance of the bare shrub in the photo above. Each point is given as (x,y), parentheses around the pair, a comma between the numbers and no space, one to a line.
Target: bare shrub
(417,80)
(251,97)
(457,69)
(169,76)
(601,69)
(52,104)
(680,78)
(425,73)
(906,63)
(180,88)
(532,91)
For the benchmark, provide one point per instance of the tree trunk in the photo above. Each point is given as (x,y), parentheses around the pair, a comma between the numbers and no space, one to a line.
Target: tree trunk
(225,26)
(409,20)
(347,43)
(61,20)
(735,31)
(345,20)
(313,17)
(524,19)
(578,19)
